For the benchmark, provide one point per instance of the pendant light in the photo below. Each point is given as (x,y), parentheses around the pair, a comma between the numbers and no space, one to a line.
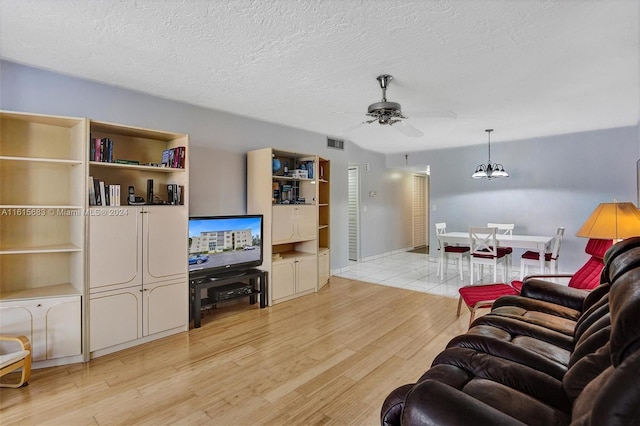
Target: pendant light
(489,170)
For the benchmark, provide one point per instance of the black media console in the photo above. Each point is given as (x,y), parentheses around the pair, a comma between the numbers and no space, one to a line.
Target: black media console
(222,288)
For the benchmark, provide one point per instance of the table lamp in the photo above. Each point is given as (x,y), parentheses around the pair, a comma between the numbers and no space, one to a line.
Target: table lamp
(612,221)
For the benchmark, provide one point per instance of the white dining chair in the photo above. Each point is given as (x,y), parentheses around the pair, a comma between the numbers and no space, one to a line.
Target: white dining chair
(447,252)
(532,258)
(485,251)
(505,229)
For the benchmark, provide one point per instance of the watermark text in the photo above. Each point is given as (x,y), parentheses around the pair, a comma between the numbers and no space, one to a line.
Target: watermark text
(41,211)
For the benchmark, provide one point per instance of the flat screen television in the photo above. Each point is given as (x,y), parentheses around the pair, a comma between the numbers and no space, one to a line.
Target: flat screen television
(221,246)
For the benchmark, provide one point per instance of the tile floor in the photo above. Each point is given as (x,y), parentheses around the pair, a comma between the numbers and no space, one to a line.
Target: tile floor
(414,271)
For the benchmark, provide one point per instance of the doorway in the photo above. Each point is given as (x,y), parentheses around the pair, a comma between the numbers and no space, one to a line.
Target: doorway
(420,211)
(354,213)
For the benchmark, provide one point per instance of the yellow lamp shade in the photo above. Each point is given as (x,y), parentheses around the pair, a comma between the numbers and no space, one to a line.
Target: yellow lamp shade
(611,221)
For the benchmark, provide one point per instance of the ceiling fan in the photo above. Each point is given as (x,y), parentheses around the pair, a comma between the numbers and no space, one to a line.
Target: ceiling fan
(390,113)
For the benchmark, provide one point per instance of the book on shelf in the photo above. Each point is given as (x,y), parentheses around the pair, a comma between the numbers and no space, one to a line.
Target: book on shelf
(103,194)
(171,193)
(101,149)
(122,161)
(114,195)
(92,192)
(96,189)
(174,157)
(174,194)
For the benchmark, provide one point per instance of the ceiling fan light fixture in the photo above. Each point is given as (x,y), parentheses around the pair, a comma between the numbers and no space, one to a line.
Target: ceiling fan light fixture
(489,170)
(390,113)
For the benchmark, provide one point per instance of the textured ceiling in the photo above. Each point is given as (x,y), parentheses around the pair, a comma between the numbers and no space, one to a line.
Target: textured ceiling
(526,68)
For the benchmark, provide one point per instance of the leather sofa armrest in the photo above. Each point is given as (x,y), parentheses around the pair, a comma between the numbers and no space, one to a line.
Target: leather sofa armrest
(539,289)
(392,407)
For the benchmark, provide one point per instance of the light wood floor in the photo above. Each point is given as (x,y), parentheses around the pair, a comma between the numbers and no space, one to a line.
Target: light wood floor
(327,358)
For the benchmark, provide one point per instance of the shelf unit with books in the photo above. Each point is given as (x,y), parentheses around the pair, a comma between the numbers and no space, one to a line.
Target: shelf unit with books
(137,156)
(283,186)
(148,291)
(42,232)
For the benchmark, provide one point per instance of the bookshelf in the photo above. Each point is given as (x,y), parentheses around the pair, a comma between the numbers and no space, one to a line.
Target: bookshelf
(324,219)
(146,296)
(58,283)
(143,146)
(296,218)
(42,232)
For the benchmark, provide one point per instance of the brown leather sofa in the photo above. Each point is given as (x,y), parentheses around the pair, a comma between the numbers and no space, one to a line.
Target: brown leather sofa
(547,357)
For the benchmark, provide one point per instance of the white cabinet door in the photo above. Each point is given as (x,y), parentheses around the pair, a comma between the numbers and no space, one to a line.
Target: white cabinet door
(283,277)
(306,219)
(294,223)
(20,318)
(307,273)
(63,325)
(115,244)
(115,317)
(164,307)
(324,268)
(165,243)
(283,225)
(146,239)
(138,274)
(53,325)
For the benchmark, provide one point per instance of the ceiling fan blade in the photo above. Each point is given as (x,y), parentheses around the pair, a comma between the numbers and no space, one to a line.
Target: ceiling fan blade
(356,126)
(406,129)
(352,128)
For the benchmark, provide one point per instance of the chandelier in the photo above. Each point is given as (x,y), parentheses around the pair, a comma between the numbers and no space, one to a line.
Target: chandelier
(489,170)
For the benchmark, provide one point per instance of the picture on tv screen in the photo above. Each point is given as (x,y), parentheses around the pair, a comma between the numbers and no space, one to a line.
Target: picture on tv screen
(225,243)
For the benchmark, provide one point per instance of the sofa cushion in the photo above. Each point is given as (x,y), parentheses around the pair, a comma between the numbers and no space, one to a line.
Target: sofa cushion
(479,402)
(540,355)
(480,365)
(624,303)
(585,370)
(553,322)
(613,266)
(613,398)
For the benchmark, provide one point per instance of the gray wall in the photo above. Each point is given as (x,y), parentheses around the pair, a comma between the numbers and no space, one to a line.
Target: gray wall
(219,142)
(554,181)
(386,218)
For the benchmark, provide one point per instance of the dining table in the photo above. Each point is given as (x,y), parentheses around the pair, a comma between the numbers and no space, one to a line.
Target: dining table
(539,243)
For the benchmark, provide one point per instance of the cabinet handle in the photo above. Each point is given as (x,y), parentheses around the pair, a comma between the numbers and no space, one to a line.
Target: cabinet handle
(39,305)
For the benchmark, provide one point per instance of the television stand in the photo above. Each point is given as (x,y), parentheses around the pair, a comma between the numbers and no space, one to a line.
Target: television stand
(226,275)
(237,284)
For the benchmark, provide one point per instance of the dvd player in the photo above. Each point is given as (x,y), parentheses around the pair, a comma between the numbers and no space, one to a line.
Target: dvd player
(230,291)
